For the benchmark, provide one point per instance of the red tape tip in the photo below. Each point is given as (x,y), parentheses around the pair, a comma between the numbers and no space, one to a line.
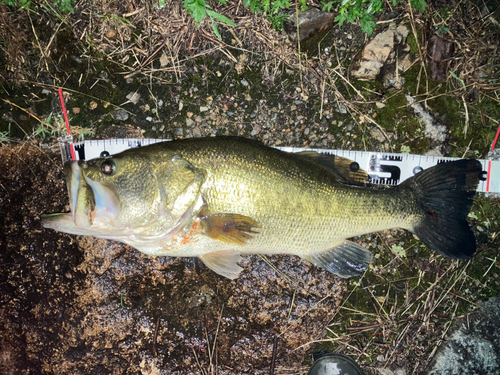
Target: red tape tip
(63,106)
(496,139)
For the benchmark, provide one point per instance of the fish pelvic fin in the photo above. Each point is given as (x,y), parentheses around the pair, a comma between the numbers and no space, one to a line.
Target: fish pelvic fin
(345,260)
(224,263)
(444,196)
(233,229)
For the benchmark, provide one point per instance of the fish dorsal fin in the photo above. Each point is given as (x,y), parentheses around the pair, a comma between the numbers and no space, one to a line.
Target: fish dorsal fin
(224,263)
(345,260)
(346,170)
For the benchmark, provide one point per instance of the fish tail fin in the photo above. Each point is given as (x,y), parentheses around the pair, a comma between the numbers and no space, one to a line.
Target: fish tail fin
(444,196)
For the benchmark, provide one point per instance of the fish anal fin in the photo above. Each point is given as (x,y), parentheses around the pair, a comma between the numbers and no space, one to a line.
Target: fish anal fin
(346,170)
(225,263)
(345,260)
(233,229)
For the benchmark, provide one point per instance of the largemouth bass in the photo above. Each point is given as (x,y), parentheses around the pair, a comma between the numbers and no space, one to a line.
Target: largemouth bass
(220,198)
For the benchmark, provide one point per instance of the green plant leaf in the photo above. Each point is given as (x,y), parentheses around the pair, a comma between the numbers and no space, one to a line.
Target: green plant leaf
(279,5)
(367,23)
(197,8)
(216,29)
(327,7)
(220,17)
(419,5)
(64,5)
(399,251)
(461,80)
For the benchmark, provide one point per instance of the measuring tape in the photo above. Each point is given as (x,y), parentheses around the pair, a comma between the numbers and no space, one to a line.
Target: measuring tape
(383,168)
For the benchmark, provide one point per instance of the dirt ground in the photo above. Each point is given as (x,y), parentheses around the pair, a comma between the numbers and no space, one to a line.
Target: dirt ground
(72,304)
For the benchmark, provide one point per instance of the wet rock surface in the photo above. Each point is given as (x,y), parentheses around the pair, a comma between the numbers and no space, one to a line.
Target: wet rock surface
(473,345)
(80,305)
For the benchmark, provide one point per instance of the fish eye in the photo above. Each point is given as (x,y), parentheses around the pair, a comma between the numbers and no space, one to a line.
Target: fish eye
(108,167)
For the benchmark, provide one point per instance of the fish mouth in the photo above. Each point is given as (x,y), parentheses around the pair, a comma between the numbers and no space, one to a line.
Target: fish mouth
(81,196)
(90,201)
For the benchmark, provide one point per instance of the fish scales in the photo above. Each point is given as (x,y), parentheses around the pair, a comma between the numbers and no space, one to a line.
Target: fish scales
(219,198)
(300,207)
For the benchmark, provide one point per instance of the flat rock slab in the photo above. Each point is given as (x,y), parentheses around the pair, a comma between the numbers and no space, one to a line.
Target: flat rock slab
(80,305)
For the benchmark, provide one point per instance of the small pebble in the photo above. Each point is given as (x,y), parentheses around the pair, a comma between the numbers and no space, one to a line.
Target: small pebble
(119,114)
(255,131)
(196,132)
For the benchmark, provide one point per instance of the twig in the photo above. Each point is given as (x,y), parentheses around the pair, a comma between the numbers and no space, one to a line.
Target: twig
(146,62)
(273,358)
(38,42)
(155,337)
(466,126)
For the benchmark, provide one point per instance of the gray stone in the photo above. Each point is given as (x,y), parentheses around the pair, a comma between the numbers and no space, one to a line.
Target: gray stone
(196,132)
(256,130)
(119,114)
(311,22)
(377,135)
(342,108)
(473,346)
(390,371)
(178,132)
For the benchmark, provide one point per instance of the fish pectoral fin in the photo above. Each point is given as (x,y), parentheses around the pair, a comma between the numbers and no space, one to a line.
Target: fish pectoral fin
(224,263)
(345,260)
(233,229)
